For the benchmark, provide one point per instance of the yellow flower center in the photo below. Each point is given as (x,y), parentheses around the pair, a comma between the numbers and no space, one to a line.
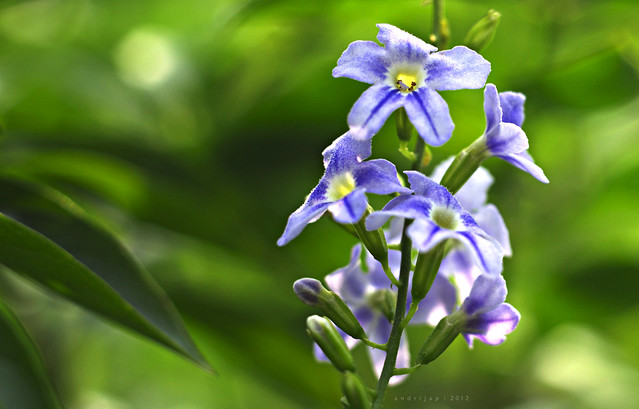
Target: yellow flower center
(406,82)
(340,186)
(445,218)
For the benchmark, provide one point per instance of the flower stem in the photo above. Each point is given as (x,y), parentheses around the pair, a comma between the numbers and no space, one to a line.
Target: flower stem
(374,344)
(405,371)
(438,23)
(392,346)
(419,154)
(410,313)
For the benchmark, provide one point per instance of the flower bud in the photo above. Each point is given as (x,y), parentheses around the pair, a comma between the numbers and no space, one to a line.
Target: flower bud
(425,271)
(309,290)
(313,293)
(374,241)
(355,391)
(324,333)
(482,33)
(384,300)
(442,336)
(465,164)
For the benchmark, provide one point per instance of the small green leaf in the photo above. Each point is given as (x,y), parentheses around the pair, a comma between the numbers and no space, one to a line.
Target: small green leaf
(24,383)
(46,237)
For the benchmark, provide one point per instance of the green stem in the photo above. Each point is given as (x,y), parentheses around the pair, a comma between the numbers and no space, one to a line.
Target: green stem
(405,371)
(392,346)
(419,154)
(374,344)
(438,18)
(410,313)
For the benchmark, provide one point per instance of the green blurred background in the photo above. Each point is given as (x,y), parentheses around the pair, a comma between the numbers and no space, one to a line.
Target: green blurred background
(192,130)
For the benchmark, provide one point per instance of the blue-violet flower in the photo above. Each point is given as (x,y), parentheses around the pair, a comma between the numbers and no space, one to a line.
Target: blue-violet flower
(342,188)
(458,264)
(504,137)
(487,317)
(404,73)
(438,216)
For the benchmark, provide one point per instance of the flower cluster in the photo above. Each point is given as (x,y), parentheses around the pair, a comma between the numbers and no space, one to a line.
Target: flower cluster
(439,262)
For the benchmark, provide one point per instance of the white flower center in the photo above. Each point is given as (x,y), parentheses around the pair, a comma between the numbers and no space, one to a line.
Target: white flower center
(445,218)
(340,186)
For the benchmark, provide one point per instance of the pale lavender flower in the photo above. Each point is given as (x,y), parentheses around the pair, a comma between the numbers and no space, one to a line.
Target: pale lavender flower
(487,317)
(438,216)
(364,293)
(342,190)
(407,73)
(458,264)
(504,137)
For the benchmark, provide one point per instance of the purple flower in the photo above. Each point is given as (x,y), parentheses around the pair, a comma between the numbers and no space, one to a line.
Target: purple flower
(438,216)
(360,291)
(364,293)
(504,137)
(458,263)
(487,317)
(342,190)
(404,73)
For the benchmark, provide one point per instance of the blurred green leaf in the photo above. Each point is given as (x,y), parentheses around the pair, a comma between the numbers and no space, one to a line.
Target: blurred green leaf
(47,238)
(24,383)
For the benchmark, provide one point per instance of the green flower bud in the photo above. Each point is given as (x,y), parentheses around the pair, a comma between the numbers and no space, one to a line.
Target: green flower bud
(442,336)
(464,165)
(356,393)
(374,241)
(482,33)
(313,293)
(384,300)
(324,333)
(425,271)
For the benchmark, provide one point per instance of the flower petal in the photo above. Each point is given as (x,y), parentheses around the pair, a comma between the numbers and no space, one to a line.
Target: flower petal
(438,303)
(361,148)
(473,194)
(376,276)
(422,185)
(459,68)
(372,108)
(429,113)
(492,327)
(403,46)
(505,139)
(425,234)
(460,266)
(306,214)
(485,250)
(488,292)
(512,106)
(350,208)
(363,61)
(490,220)
(410,207)
(378,176)
(492,107)
(349,282)
(524,161)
